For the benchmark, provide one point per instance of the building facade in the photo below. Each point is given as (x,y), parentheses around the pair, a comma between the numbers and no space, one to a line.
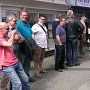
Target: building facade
(36,7)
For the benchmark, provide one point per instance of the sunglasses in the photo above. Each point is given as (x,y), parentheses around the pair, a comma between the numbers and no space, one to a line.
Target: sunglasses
(7,28)
(15,21)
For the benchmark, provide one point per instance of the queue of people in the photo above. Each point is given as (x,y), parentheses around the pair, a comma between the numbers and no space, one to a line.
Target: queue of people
(66,40)
(15,64)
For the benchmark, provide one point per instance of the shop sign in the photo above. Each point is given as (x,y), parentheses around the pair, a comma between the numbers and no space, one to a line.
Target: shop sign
(83,3)
(69,2)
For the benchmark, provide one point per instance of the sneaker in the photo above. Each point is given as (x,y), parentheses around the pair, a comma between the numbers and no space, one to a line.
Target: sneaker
(79,56)
(59,70)
(31,79)
(76,64)
(69,65)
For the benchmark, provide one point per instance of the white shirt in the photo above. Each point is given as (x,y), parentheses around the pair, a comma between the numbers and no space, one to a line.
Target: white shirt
(10,31)
(40,35)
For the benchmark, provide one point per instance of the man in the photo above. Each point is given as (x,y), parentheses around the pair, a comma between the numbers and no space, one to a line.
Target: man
(9,64)
(24,29)
(73,28)
(40,31)
(60,45)
(11,20)
(54,25)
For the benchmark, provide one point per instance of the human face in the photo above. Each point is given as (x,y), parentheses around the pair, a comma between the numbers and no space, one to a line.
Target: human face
(13,22)
(24,16)
(42,20)
(5,30)
(62,22)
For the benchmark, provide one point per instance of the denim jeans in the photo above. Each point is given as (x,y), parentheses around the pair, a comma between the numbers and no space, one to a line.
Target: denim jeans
(72,51)
(60,56)
(17,76)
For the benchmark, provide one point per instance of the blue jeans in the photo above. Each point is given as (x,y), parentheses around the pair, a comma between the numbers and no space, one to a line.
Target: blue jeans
(72,51)
(17,76)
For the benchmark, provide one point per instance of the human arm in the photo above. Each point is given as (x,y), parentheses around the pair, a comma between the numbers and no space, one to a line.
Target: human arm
(10,41)
(59,39)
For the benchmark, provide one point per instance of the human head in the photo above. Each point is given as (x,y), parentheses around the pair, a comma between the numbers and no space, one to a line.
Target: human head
(12,19)
(4,29)
(42,19)
(58,16)
(83,18)
(62,20)
(70,13)
(24,14)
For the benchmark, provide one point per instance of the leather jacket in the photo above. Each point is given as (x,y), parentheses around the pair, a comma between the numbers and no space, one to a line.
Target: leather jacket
(73,28)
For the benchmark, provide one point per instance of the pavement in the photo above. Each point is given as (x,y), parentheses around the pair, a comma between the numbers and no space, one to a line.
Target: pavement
(73,78)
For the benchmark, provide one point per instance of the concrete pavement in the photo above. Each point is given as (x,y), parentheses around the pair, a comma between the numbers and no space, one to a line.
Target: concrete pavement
(75,78)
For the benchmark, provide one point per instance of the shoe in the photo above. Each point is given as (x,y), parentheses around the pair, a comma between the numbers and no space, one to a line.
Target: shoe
(79,56)
(69,65)
(76,64)
(82,51)
(31,79)
(65,68)
(38,75)
(59,70)
(43,71)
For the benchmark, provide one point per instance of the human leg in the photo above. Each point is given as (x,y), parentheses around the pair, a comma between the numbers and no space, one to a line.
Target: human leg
(36,59)
(13,77)
(58,57)
(75,51)
(41,58)
(69,53)
(4,82)
(23,77)
(62,57)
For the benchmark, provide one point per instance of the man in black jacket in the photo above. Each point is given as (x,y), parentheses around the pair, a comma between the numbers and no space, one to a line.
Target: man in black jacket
(73,28)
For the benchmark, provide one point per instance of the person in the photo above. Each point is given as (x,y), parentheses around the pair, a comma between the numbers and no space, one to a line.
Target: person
(9,64)
(83,20)
(54,25)
(24,29)
(73,28)
(60,45)
(11,20)
(40,32)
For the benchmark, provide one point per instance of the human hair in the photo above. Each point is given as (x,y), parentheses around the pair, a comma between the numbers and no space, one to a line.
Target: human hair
(70,13)
(58,16)
(42,15)
(62,17)
(10,17)
(23,10)
(83,17)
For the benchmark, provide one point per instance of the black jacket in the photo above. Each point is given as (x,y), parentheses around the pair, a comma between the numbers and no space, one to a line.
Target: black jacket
(73,28)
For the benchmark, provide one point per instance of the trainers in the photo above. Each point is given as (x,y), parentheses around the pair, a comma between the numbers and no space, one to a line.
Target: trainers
(76,64)
(69,65)
(59,70)
(31,79)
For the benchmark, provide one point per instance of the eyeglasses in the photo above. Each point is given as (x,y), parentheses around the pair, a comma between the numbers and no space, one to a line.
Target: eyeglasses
(15,21)
(7,28)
